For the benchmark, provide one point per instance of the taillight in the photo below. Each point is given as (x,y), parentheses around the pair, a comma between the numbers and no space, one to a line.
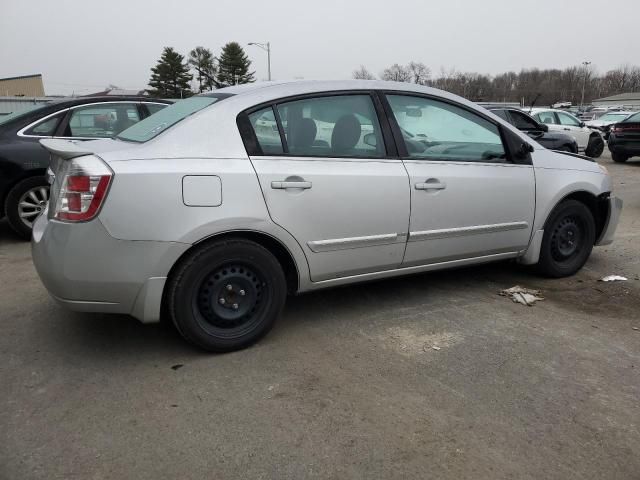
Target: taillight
(83,188)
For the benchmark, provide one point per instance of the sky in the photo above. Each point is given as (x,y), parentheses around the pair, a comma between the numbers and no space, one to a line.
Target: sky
(82,46)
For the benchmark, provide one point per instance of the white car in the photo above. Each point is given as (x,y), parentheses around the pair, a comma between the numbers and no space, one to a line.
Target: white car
(589,140)
(215,208)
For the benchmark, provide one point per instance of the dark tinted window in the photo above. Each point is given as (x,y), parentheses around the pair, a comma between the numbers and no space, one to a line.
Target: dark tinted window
(502,114)
(336,126)
(633,118)
(266,130)
(522,121)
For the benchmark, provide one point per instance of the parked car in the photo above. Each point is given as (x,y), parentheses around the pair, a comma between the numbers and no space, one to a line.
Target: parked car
(538,131)
(604,122)
(23,162)
(202,212)
(589,139)
(624,139)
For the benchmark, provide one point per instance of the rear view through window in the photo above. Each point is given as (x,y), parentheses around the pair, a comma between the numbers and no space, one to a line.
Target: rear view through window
(157,123)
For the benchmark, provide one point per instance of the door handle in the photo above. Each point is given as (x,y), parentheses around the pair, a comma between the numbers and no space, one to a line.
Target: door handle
(431,185)
(295,184)
(567,129)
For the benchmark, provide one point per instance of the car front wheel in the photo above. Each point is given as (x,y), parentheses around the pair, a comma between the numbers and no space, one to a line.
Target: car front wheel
(595,147)
(226,295)
(25,202)
(568,239)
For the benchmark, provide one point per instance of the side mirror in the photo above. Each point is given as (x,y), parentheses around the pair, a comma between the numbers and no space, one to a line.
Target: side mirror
(543,127)
(524,150)
(582,124)
(370,139)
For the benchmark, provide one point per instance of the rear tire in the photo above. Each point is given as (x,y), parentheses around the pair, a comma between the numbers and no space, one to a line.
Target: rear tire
(24,203)
(226,295)
(619,158)
(595,147)
(569,234)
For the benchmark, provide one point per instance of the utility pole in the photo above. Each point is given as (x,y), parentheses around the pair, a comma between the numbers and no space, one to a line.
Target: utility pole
(267,48)
(584,82)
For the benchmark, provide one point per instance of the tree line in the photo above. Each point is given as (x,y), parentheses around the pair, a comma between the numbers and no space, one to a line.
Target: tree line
(173,73)
(544,86)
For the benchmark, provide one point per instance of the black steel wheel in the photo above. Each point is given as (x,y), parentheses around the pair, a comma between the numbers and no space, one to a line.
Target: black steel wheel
(569,235)
(226,295)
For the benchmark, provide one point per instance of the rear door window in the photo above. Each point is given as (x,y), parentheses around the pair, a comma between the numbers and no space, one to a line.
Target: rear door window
(332,126)
(46,127)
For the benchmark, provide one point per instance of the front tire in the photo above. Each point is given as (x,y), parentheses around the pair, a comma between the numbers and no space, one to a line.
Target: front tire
(569,235)
(226,295)
(25,201)
(595,147)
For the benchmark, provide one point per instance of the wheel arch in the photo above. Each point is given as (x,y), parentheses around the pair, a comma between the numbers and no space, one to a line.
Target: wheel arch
(276,247)
(598,205)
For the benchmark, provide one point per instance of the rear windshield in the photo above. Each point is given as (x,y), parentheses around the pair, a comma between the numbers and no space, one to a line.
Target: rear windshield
(157,123)
(633,118)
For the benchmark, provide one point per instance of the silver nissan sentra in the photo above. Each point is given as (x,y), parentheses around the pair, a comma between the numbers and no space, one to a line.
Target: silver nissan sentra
(215,208)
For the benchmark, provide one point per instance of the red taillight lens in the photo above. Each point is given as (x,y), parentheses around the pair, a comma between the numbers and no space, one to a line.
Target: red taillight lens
(83,189)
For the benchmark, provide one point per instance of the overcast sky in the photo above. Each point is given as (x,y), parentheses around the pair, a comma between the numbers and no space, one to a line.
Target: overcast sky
(82,46)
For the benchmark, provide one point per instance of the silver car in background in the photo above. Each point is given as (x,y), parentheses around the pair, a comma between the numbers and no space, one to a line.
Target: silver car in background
(218,206)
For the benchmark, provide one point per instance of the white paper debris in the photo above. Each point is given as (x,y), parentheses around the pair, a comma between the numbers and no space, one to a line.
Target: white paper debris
(613,278)
(521,295)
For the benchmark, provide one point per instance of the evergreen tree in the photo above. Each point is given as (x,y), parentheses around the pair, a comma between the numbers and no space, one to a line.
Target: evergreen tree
(170,77)
(202,61)
(233,66)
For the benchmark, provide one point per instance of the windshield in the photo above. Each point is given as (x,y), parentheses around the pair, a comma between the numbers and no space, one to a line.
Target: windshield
(613,116)
(157,123)
(29,109)
(633,118)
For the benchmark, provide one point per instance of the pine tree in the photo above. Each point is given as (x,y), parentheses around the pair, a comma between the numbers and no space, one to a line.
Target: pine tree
(233,66)
(202,61)
(170,77)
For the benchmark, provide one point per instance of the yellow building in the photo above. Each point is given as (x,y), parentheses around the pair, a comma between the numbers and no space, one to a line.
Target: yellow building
(24,86)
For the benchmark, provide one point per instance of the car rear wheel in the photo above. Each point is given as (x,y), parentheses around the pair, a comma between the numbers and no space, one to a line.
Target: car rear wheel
(619,158)
(568,239)
(595,147)
(226,295)
(25,202)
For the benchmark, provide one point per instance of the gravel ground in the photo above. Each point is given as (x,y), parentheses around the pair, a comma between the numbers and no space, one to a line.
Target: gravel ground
(348,385)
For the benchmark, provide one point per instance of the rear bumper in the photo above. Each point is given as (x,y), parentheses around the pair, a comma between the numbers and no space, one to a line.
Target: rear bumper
(86,269)
(609,230)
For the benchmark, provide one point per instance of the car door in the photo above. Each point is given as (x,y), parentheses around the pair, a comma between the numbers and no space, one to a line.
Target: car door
(469,197)
(98,120)
(328,179)
(573,127)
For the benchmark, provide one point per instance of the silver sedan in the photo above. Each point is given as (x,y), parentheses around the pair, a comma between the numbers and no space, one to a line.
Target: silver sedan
(217,207)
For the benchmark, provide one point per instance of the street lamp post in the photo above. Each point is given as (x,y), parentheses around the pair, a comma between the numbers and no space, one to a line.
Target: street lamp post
(584,82)
(267,48)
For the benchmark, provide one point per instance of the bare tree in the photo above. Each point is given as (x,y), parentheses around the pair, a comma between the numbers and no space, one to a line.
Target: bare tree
(396,73)
(363,73)
(420,73)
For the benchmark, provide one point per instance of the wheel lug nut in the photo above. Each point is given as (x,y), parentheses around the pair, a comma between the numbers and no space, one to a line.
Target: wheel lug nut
(242,293)
(222,301)
(235,306)
(229,287)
